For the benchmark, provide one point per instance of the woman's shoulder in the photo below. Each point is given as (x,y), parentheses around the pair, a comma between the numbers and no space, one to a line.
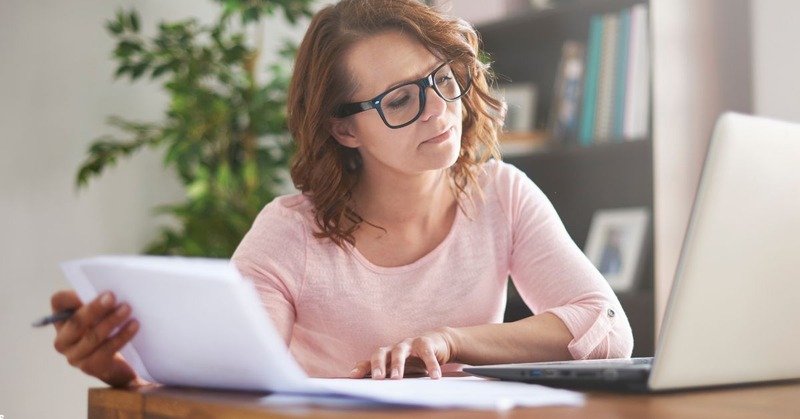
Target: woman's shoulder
(286,216)
(280,228)
(507,189)
(295,207)
(499,176)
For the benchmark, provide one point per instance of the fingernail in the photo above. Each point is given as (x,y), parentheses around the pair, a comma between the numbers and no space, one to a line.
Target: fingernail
(106,299)
(395,373)
(436,374)
(376,373)
(123,310)
(354,372)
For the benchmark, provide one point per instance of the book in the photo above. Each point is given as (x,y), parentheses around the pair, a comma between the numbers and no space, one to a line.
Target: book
(606,78)
(586,129)
(637,108)
(203,325)
(621,77)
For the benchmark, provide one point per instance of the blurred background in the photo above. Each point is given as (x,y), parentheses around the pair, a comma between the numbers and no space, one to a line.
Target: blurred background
(57,90)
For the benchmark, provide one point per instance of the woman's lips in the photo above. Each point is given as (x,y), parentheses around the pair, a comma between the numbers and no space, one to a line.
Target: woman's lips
(440,138)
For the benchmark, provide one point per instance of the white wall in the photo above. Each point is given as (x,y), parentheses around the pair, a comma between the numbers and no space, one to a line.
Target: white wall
(56,91)
(701,68)
(776,62)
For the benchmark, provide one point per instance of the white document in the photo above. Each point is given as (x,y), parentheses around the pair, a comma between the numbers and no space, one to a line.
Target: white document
(452,392)
(202,325)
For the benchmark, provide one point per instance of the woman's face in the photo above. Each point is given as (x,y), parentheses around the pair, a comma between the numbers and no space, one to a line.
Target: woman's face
(432,142)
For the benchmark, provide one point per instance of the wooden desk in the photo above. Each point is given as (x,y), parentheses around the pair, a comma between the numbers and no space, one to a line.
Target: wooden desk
(763,401)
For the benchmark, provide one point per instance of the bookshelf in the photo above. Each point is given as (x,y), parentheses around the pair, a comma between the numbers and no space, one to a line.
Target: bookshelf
(578,179)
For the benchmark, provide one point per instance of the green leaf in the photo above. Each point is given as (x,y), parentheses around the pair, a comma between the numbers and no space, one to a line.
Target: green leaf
(121,70)
(138,70)
(159,70)
(134,19)
(197,189)
(114,27)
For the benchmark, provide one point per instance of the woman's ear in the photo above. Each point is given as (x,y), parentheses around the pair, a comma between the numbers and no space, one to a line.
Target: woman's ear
(342,131)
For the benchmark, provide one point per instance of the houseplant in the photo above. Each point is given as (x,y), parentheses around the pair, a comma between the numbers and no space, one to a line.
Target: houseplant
(224,132)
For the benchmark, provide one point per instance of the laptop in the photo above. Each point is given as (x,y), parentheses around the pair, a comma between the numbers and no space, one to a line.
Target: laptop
(733,314)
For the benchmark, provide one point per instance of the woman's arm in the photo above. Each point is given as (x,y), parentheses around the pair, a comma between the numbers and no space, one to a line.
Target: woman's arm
(537,338)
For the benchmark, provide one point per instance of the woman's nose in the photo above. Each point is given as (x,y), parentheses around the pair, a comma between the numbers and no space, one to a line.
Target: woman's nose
(434,105)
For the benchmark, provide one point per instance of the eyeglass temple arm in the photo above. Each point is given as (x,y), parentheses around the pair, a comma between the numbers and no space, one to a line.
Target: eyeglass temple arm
(348,109)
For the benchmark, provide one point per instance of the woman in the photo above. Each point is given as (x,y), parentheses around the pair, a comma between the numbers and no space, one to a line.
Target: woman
(394,257)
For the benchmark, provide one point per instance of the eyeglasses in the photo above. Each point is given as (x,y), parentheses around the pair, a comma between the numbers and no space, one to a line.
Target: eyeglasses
(401,105)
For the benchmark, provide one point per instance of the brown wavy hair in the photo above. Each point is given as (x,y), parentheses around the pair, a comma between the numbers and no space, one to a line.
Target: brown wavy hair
(326,171)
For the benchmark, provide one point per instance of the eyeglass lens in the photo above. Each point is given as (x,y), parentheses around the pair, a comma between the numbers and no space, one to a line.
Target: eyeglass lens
(404,103)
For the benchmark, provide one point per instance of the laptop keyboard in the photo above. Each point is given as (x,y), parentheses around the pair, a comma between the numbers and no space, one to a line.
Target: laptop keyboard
(605,362)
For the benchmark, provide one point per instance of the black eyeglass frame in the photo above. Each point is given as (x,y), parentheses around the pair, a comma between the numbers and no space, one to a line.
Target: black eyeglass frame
(349,109)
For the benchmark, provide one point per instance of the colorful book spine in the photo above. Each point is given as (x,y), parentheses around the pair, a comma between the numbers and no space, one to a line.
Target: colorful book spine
(637,98)
(586,131)
(622,75)
(604,117)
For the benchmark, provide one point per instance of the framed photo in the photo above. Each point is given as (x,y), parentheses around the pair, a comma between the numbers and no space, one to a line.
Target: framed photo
(615,244)
(520,99)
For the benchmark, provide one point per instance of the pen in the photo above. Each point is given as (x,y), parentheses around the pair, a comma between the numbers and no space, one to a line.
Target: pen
(55,317)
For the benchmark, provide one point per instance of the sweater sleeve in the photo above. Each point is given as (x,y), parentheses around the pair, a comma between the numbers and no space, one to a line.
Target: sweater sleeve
(273,256)
(552,274)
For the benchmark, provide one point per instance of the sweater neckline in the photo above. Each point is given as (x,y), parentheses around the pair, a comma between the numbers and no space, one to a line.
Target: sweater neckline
(422,261)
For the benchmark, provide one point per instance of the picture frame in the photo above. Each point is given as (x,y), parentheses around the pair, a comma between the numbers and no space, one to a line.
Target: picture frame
(615,244)
(520,100)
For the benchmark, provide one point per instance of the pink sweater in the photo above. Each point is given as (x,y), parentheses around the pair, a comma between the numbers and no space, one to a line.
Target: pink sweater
(334,307)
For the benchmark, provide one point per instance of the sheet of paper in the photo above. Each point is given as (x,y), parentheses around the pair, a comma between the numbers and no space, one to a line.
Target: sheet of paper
(452,392)
(202,325)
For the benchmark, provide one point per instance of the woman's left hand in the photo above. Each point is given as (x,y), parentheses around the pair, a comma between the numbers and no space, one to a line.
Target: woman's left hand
(423,354)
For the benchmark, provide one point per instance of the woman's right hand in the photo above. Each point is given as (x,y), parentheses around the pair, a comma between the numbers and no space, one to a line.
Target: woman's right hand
(86,341)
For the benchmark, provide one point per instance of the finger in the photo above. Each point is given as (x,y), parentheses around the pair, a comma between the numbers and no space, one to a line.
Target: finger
(399,355)
(423,349)
(360,370)
(97,335)
(84,318)
(113,344)
(100,362)
(64,300)
(120,374)
(378,363)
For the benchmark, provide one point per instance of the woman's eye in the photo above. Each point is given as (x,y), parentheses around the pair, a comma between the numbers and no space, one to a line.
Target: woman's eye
(442,80)
(398,102)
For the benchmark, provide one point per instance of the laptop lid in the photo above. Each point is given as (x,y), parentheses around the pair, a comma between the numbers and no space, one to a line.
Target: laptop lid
(734,309)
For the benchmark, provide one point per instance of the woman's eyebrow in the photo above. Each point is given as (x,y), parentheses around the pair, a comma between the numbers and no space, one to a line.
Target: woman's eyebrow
(416,77)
